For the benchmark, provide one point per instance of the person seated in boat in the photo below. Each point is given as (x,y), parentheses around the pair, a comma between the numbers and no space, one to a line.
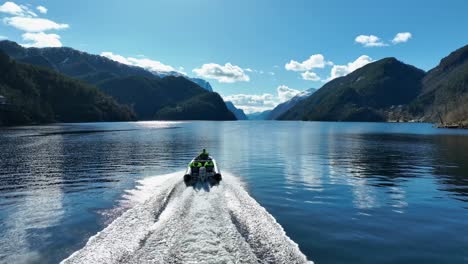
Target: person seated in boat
(204,155)
(195,166)
(209,165)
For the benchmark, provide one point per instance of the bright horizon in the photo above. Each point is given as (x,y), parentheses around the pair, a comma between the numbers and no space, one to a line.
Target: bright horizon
(254,53)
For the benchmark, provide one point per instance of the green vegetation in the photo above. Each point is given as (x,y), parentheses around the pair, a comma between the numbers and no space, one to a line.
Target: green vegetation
(148,96)
(71,62)
(206,106)
(38,95)
(363,95)
(388,90)
(444,98)
(141,90)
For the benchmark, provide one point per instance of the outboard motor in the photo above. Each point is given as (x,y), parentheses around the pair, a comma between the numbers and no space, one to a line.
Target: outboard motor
(202,174)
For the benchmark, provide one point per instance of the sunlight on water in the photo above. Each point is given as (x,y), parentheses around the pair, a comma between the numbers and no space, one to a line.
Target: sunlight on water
(351,188)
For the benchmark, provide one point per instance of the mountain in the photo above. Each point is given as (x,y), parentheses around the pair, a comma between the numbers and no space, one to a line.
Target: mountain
(283,107)
(444,95)
(205,106)
(367,94)
(88,67)
(147,96)
(202,83)
(145,92)
(71,62)
(38,95)
(239,113)
(259,115)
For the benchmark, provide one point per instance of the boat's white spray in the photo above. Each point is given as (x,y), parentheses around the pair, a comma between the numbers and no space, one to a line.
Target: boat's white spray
(170,223)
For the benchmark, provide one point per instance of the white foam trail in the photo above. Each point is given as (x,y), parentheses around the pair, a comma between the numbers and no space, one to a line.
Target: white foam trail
(172,223)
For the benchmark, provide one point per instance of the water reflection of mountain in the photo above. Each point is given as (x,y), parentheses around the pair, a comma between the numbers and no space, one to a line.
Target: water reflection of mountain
(390,160)
(451,164)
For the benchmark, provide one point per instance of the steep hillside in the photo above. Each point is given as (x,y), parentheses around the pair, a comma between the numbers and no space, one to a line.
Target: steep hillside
(259,115)
(239,113)
(366,94)
(206,106)
(147,96)
(71,62)
(444,96)
(145,92)
(37,95)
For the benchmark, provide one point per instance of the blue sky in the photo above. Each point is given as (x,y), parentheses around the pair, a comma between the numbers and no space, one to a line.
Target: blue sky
(243,47)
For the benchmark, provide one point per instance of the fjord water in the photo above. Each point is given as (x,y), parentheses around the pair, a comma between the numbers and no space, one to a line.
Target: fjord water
(344,192)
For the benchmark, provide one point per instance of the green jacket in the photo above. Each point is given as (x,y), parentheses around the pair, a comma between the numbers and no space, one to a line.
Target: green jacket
(195,164)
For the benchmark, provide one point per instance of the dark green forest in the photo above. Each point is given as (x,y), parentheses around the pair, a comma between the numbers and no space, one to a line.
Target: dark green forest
(148,96)
(142,91)
(362,95)
(38,95)
(389,90)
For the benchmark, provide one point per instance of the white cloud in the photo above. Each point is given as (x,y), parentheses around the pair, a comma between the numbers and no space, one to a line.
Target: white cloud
(145,63)
(17,10)
(370,41)
(41,40)
(252,103)
(285,93)
(315,61)
(42,9)
(11,8)
(310,76)
(248,70)
(30,24)
(225,74)
(151,65)
(3,37)
(115,57)
(342,70)
(182,70)
(401,37)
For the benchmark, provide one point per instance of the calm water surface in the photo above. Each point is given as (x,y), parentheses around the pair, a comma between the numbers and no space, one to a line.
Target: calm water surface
(345,192)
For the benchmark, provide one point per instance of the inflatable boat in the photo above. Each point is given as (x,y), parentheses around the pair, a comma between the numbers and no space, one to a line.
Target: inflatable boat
(202,169)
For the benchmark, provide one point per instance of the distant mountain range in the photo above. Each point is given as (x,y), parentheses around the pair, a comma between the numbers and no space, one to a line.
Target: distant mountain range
(389,90)
(71,62)
(259,115)
(385,90)
(84,66)
(284,107)
(37,95)
(145,92)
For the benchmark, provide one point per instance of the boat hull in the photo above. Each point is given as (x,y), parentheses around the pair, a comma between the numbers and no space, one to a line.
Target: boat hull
(202,172)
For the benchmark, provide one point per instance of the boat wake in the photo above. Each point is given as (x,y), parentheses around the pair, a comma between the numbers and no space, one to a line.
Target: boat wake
(170,223)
